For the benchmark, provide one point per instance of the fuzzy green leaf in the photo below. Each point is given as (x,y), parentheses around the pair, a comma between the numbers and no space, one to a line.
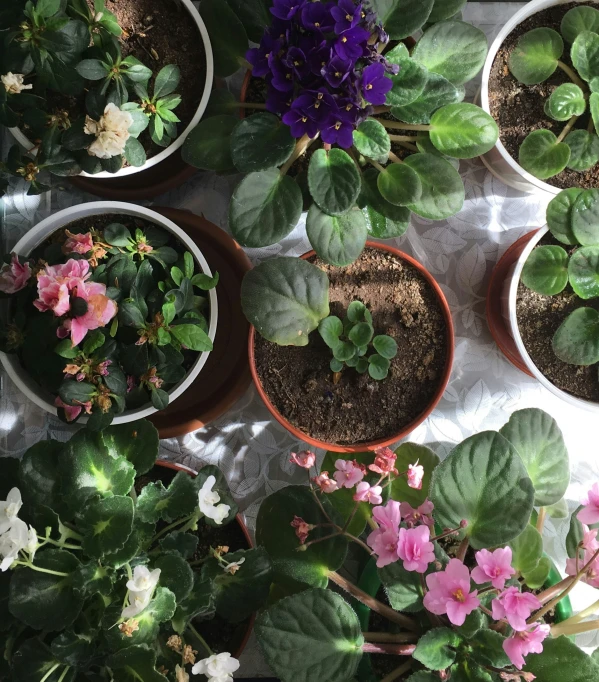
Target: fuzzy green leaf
(107,524)
(338,240)
(546,270)
(577,339)
(542,155)
(566,100)
(577,20)
(583,272)
(443,192)
(334,180)
(208,146)
(400,185)
(156,502)
(585,54)
(536,55)
(585,217)
(584,150)
(436,649)
(411,453)
(260,142)
(559,215)
(400,18)
(438,92)
(372,140)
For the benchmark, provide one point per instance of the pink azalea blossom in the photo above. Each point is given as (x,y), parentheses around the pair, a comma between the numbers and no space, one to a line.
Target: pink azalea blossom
(414,517)
(591,576)
(515,606)
(102,368)
(14,276)
(326,484)
(494,567)
(302,529)
(528,641)
(383,540)
(589,514)
(78,243)
(71,411)
(415,476)
(348,473)
(100,310)
(367,493)
(384,462)
(304,459)
(415,549)
(55,284)
(449,593)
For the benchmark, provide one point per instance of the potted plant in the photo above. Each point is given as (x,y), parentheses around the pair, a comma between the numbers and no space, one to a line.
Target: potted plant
(111,568)
(351,126)
(78,92)
(111,313)
(458,545)
(537,84)
(348,358)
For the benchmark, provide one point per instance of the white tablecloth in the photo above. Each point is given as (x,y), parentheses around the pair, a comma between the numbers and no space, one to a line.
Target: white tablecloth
(252,449)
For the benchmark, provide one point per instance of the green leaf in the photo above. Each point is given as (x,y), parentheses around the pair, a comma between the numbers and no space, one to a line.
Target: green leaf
(254,15)
(469,671)
(566,100)
(536,55)
(47,8)
(156,502)
(372,140)
(265,207)
(408,84)
(205,282)
(107,524)
(199,604)
(410,453)
(275,534)
(208,146)
(66,349)
(372,196)
(583,271)
(483,481)
(400,185)
(378,367)
(561,660)
(361,334)
(72,649)
(334,180)
(260,142)
(546,270)
(436,649)
(438,92)
(559,510)
(175,574)
(338,240)
(403,588)
(400,18)
(167,80)
(227,36)
(594,107)
(331,328)
(385,346)
(136,441)
(474,622)
(285,299)
(184,544)
(445,9)
(358,312)
(442,188)
(584,150)
(344,351)
(487,649)
(463,131)
(577,20)
(536,578)
(130,315)
(33,661)
(585,217)
(135,663)
(559,215)
(527,549)
(585,54)
(38,473)
(453,49)
(311,635)
(336,365)
(192,336)
(423,676)
(92,69)
(542,155)
(577,339)
(380,227)
(76,393)
(134,153)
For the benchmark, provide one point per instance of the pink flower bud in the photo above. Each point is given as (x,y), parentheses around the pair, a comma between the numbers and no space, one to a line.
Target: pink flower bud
(304,459)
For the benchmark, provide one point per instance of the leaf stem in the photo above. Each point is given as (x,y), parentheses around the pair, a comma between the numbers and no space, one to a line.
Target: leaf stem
(60,574)
(166,529)
(49,673)
(322,509)
(393,649)
(300,148)
(382,109)
(200,639)
(568,128)
(463,548)
(350,517)
(376,164)
(398,125)
(395,158)
(398,672)
(572,75)
(574,629)
(64,673)
(402,138)
(541,519)
(579,617)
(400,638)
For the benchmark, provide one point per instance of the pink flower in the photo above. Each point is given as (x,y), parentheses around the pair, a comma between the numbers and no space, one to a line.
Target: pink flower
(384,462)
(494,567)
(591,576)
(100,310)
(55,283)
(131,383)
(449,592)
(529,641)
(14,276)
(423,514)
(415,476)
(78,243)
(383,540)
(389,515)
(326,484)
(589,538)
(589,514)
(102,368)
(304,459)
(72,412)
(516,606)
(302,529)
(348,473)
(367,493)
(415,549)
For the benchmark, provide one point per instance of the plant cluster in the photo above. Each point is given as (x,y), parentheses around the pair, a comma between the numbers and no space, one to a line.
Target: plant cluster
(350,340)
(106,581)
(536,57)
(54,51)
(107,319)
(336,77)
(573,219)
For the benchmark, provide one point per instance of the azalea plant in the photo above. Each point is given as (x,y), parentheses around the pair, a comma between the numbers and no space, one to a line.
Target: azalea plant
(535,59)
(551,269)
(106,319)
(102,578)
(355,128)
(459,551)
(67,86)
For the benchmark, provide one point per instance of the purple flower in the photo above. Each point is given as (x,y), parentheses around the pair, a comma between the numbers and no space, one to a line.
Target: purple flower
(374,84)
(259,57)
(318,57)
(320,105)
(351,43)
(339,129)
(282,76)
(296,61)
(346,15)
(285,9)
(298,120)
(316,16)
(278,102)
(336,71)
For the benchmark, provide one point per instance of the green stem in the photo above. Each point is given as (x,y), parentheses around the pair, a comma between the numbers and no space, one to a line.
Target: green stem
(462,549)
(165,530)
(575,629)
(49,673)
(541,519)
(300,148)
(395,159)
(579,617)
(40,569)
(350,517)
(376,164)
(398,125)
(402,138)
(57,543)
(572,75)
(64,673)
(363,545)
(568,128)
(200,639)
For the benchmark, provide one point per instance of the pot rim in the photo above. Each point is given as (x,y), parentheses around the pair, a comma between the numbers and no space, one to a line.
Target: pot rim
(178,142)
(57,221)
(382,442)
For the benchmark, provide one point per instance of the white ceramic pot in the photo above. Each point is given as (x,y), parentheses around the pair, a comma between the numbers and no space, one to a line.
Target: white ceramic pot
(38,234)
(508,308)
(497,160)
(165,153)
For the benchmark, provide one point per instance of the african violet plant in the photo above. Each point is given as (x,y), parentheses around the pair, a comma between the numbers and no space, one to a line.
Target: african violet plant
(102,578)
(66,85)
(106,319)
(335,74)
(458,546)
(573,219)
(535,59)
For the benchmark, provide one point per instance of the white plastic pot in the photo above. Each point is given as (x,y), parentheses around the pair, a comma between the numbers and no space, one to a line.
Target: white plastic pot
(497,160)
(38,234)
(165,153)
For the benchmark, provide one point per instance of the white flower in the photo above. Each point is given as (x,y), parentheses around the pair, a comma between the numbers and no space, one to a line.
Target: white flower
(13,83)
(12,542)
(217,668)
(180,674)
(234,566)
(208,499)
(144,580)
(10,509)
(137,603)
(111,131)
(31,546)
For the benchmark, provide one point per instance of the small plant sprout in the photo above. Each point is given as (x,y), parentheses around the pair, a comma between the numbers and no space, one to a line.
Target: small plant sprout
(536,57)
(351,339)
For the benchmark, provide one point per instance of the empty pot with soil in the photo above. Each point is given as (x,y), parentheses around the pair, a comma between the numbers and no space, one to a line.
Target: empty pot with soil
(348,359)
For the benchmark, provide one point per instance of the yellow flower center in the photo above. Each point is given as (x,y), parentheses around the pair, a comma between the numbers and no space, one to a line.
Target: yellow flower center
(344,39)
(459,596)
(337,125)
(348,17)
(369,86)
(338,74)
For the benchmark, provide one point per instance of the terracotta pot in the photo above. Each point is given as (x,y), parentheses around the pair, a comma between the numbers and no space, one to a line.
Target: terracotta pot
(242,641)
(383,442)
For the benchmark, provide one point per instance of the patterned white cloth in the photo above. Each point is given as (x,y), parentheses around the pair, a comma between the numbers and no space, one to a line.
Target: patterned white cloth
(253,449)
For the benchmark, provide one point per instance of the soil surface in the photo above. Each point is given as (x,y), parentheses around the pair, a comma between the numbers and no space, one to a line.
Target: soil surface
(538,319)
(358,409)
(519,109)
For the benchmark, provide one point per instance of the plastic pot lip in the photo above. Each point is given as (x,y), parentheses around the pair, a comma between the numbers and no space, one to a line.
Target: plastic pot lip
(57,221)
(176,144)
(383,442)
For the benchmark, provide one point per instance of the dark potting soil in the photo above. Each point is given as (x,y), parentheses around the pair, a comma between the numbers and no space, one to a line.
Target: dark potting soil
(519,109)
(358,409)
(538,319)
